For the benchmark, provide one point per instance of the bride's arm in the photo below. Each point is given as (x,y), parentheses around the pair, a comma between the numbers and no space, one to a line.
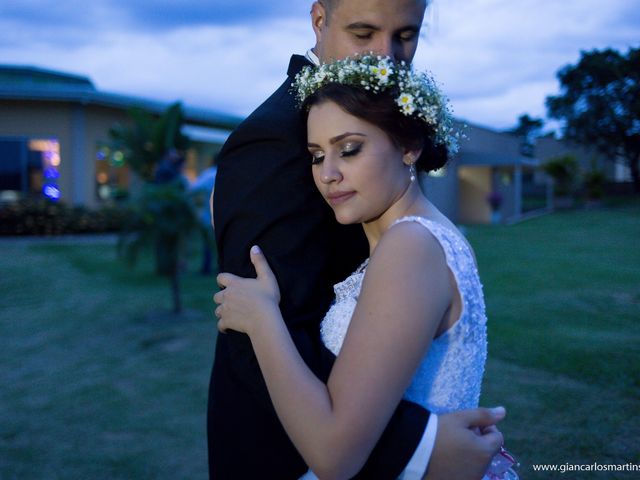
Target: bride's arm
(405,294)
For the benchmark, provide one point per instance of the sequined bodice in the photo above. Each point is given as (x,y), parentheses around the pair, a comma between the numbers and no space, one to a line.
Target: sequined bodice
(450,374)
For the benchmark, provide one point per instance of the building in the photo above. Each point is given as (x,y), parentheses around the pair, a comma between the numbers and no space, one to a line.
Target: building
(489,167)
(54,136)
(54,140)
(615,170)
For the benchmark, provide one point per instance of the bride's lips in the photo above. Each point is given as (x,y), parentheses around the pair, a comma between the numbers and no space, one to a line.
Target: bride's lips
(336,198)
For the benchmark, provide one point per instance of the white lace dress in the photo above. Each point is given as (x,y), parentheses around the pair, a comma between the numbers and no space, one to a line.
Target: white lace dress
(450,374)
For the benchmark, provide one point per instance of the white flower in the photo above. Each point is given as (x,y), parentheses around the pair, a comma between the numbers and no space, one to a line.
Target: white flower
(381,72)
(408,108)
(405,99)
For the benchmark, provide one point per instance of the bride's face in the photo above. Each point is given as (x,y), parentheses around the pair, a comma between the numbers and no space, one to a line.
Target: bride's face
(356,166)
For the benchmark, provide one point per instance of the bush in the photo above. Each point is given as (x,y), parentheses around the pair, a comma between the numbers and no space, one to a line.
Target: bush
(563,170)
(43,217)
(594,184)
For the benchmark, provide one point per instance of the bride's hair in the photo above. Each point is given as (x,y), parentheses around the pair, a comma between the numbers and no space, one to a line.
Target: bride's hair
(381,110)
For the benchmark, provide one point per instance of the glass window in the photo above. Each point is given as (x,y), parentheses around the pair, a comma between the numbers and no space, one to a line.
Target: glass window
(112,174)
(30,166)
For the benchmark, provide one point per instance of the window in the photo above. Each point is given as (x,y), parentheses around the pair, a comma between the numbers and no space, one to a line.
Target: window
(43,169)
(30,166)
(112,175)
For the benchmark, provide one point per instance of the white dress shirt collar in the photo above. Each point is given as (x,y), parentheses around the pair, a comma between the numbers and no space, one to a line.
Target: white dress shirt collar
(312,57)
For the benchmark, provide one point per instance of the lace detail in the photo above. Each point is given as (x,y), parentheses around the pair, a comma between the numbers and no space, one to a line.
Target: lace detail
(450,374)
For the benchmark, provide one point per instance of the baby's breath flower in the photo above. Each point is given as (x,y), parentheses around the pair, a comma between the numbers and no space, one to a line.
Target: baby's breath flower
(416,94)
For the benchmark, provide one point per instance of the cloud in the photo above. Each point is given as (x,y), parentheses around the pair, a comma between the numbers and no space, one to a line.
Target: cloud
(228,68)
(147,15)
(171,14)
(499,58)
(496,59)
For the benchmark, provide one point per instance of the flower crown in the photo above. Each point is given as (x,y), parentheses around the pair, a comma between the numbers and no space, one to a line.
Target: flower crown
(416,94)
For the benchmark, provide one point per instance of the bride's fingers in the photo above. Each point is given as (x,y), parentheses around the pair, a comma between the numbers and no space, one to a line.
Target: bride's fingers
(222,324)
(221,327)
(219,297)
(260,263)
(226,279)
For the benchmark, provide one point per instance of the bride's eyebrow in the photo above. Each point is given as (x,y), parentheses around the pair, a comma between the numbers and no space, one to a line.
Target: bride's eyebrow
(344,135)
(336,139)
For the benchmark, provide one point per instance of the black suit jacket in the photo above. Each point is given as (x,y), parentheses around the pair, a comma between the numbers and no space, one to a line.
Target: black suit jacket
(265,195)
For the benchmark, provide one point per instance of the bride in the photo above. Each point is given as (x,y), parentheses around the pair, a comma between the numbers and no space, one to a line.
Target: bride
(410,322)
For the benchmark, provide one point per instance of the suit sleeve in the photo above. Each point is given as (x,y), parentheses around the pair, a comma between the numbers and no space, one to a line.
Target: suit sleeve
(265,196)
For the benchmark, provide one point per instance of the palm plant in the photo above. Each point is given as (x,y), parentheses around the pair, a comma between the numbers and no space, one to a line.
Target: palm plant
(163,214)
(164,218)
(147,140)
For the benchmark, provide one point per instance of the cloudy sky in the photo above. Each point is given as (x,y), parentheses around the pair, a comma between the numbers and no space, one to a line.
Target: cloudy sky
(496,59)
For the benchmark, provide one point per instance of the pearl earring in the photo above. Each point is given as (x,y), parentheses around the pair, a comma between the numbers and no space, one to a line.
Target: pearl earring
(412,172)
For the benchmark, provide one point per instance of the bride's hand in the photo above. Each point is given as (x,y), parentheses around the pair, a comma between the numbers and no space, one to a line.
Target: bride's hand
(244,303)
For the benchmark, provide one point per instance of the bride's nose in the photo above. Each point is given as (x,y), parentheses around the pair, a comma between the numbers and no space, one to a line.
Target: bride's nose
(330,173)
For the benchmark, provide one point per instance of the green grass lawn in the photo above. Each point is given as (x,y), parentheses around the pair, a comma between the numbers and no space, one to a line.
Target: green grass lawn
(93,386)
(563,300)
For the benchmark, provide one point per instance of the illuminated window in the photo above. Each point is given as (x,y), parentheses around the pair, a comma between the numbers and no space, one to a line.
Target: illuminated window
(29,167)
(112,174)
(45,178)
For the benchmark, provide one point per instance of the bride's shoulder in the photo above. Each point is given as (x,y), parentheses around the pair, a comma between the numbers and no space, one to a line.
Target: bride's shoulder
(451,239)
(408,246)
(407,262)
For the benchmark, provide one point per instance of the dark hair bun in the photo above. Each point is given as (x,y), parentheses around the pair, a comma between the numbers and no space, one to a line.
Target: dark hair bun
(433,157)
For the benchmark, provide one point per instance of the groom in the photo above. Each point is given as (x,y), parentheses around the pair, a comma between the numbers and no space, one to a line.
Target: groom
(265,195)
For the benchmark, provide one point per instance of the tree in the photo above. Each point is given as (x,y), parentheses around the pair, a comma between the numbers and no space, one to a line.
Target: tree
(564,171)
(528,129)
(600,104)
(164,215)
(149,138)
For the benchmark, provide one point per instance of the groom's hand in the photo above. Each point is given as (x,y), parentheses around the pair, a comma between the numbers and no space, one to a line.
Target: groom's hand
(466,442)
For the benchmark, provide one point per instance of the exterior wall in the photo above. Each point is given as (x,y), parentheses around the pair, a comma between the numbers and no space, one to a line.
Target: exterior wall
(442,190)
(475,183)
(80,130)
(488,141)
(42,120)
(505,181)
(547,148)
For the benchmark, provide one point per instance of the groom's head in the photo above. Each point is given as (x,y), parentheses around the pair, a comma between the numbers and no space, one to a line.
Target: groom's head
(385,27)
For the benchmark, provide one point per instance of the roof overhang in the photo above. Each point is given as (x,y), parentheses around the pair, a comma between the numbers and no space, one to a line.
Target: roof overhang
(494,159)
(198,116)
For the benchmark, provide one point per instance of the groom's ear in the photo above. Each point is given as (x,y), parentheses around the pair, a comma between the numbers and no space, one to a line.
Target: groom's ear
(318,19)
